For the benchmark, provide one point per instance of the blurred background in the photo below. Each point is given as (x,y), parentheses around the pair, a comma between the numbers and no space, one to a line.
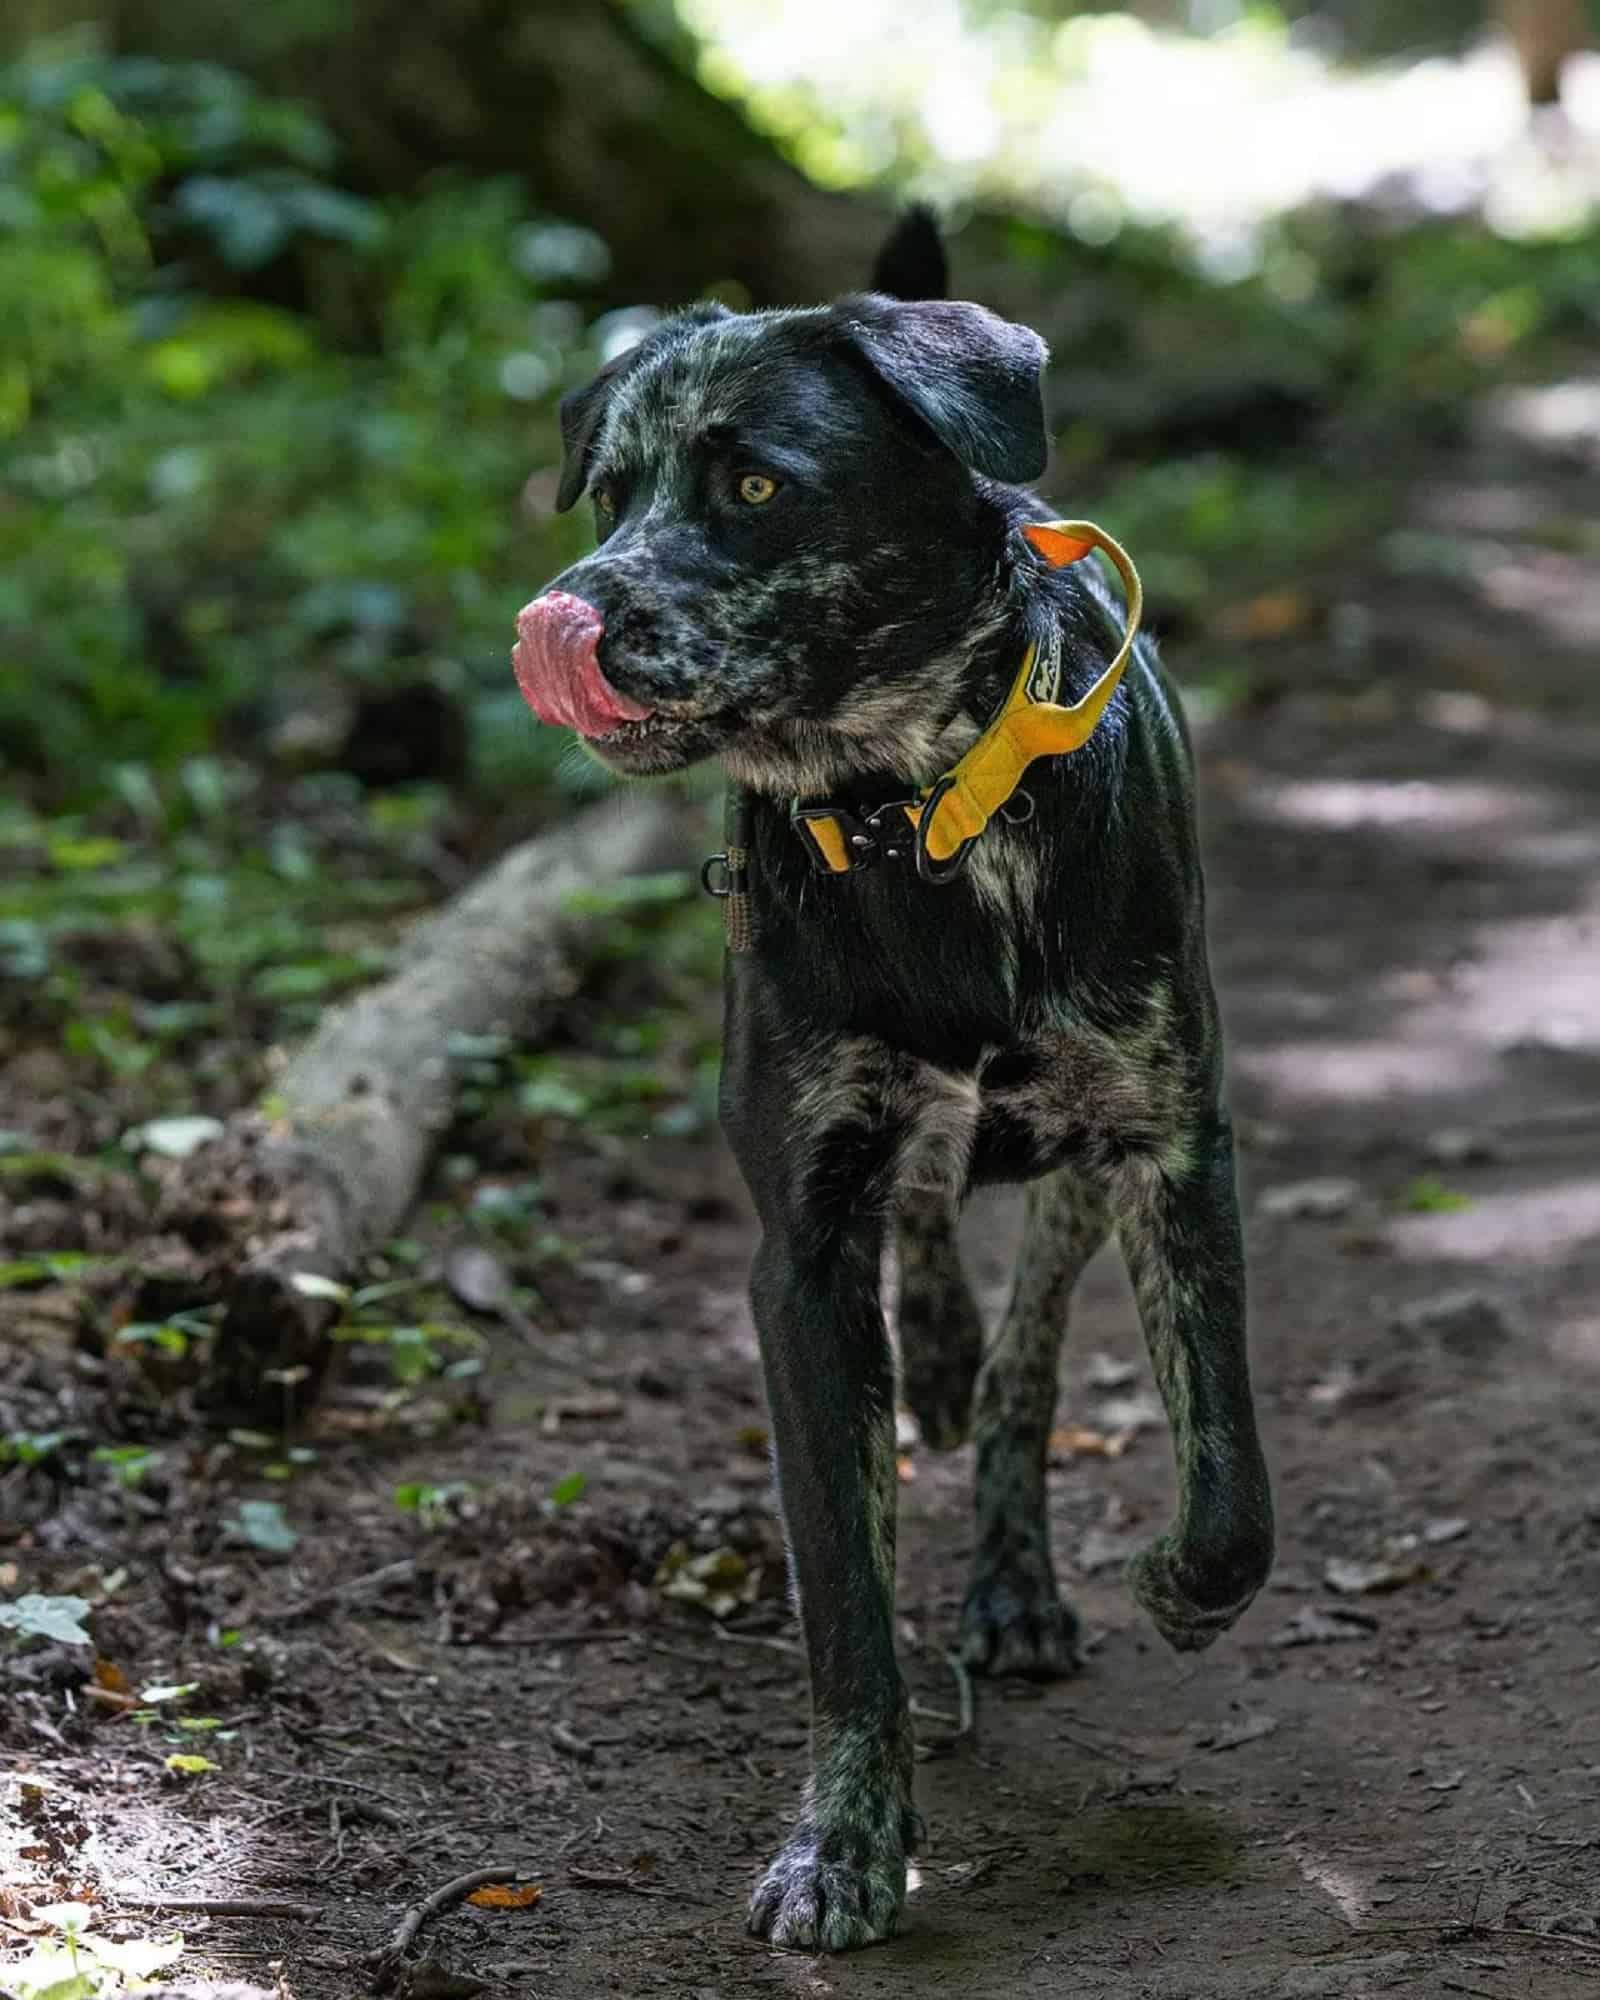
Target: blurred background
(290,297)
(288,294)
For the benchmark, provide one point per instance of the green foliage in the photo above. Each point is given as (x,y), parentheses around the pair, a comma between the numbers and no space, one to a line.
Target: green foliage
(265,439)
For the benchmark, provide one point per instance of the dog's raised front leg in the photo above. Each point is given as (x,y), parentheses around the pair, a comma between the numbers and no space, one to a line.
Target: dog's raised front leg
(839,1879)
(1013,1620)
(1180,1233)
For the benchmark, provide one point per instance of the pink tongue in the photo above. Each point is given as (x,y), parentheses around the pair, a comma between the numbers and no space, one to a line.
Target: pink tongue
(558,668)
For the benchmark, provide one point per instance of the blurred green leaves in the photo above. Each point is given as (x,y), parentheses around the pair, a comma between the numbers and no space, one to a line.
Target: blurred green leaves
(264,438)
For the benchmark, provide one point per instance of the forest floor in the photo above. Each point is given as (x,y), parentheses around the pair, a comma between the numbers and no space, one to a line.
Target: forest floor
(1385,1781)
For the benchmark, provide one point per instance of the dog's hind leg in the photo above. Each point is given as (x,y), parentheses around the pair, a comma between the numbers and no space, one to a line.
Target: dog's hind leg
(940,1326)
(1013,1620)
(1179,1228)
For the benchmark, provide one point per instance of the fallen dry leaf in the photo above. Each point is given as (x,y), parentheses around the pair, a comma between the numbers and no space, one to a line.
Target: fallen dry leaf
(506,1896)
(1276,614)
(1076,1441)
(110,1676)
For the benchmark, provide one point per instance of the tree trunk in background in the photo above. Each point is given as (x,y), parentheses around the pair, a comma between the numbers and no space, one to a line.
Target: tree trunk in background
(1544,33)
(603,120)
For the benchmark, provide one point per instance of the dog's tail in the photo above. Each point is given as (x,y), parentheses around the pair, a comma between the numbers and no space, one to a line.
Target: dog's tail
(911,264)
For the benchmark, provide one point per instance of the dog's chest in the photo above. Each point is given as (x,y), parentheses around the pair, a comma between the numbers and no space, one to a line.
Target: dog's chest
(1069,1092)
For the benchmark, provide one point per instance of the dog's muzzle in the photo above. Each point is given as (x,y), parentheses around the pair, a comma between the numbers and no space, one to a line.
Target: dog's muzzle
(557,663)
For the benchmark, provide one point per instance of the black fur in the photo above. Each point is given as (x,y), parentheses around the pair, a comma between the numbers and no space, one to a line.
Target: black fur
(912,264)
(1047,1017)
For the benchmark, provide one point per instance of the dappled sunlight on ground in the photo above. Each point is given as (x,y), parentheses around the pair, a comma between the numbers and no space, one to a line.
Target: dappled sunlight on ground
(1539,1225)
(1414,803)
(1315,1073)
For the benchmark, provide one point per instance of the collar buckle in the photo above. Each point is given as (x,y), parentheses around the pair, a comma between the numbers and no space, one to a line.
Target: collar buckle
(842,842)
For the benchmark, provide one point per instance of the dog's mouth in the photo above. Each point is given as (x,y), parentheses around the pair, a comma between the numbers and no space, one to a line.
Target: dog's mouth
(557,664)
(660,742)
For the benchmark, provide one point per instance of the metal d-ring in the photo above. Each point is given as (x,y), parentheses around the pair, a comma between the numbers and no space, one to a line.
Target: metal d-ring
(1018,809)
(717,861)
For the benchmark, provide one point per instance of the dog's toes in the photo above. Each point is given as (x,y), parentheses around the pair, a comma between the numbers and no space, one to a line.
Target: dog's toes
(1018,1625)
(811,1901)
(1188,1618)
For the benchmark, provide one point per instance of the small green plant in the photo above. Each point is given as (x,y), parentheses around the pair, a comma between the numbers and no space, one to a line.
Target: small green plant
(1427,1195)
(432,1505)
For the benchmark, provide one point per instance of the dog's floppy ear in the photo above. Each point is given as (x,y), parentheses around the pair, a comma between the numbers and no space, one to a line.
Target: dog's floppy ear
(581,410)
(972,378)
(580,413)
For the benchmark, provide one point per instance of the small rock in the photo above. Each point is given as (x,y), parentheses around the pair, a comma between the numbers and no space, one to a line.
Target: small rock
(1102,1549)
(1317,1201)
(478,1279)
(173,1138)
(1131,1414)
(1459,1147)
(1448,1529)
(1105,1372)
(1248,1729)
(1467,1322)
(1313,1626)
(1367,1579)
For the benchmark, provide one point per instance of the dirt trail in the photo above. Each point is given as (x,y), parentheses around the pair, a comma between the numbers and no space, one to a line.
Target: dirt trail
(1387,1792)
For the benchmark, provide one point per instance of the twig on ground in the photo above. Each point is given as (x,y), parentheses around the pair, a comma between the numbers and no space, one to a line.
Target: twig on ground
(340,1593)
(327,1778)
(556,1638)
(963,1682)
(757,1639)
(223,1906)
(385,1963)
(1467,1933)
(570,1742)
(612,1878)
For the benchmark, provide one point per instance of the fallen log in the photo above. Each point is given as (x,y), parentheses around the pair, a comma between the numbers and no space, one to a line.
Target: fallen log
(283,1207)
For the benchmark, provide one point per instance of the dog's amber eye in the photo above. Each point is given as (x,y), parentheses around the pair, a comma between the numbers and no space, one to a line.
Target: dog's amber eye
(605,502)
(756,489)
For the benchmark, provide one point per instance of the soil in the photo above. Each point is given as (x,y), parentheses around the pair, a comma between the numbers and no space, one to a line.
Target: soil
(1385,1781)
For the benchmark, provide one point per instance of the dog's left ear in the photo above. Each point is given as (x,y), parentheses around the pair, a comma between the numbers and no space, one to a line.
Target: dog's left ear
(580,412)
(971,377)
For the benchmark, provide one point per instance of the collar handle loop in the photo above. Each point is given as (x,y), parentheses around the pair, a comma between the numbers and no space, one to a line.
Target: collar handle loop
(966,798)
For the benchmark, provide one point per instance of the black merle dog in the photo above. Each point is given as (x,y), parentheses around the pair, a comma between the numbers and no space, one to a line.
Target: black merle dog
(812,566)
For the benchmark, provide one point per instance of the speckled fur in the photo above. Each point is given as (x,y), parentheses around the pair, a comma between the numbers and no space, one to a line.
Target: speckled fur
(1046,1018)
(939,1324)
(1013,1619)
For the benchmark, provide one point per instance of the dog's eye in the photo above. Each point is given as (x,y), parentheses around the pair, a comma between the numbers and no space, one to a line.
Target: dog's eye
(756,489)
(605,503)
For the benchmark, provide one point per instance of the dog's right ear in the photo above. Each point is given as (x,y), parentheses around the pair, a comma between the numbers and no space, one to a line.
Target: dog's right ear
(911,264)
(581,411)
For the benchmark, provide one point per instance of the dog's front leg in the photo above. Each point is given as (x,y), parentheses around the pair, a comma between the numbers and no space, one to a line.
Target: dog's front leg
(839,1879)
(1179,1227)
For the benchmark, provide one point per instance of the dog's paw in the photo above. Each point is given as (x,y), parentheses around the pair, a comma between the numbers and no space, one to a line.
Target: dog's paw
(1186,1615)
(826,1895)
(1014,1622)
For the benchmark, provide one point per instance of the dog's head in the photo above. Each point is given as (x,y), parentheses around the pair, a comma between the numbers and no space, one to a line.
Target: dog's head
(793,529)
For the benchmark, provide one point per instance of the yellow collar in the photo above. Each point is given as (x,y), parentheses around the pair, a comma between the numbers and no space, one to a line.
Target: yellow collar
(942,821)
